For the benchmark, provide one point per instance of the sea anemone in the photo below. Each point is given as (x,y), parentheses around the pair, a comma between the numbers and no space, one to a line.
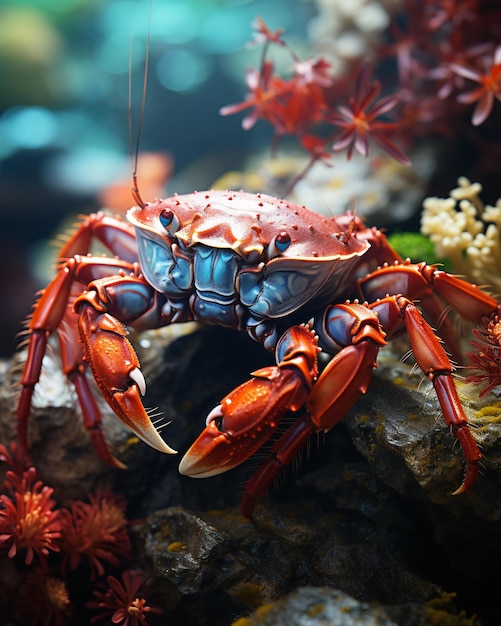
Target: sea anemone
(95,531)
(120,603)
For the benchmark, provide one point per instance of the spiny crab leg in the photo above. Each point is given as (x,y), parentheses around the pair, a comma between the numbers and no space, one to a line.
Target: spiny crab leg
(115,366)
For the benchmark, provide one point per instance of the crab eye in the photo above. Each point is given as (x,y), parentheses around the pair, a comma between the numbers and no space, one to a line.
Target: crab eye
(279,244)
(169,220)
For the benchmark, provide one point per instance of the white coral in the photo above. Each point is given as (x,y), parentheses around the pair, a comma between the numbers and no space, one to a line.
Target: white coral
(466,232)
(349,30)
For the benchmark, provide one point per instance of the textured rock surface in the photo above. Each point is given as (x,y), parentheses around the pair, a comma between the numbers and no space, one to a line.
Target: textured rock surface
(369,513)
(321,606)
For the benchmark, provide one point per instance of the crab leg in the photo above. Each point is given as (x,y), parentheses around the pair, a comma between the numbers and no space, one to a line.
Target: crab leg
(434,362)
(286,448)
(54,314)
(419,281)
(341,383)
(116,291)
(117,235)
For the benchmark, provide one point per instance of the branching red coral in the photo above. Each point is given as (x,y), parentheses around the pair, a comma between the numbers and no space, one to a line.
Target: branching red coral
(431,50)
(299,106)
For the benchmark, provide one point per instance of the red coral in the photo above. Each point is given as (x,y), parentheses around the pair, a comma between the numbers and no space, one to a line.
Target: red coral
(432,48)
(300,106)
(359,121)
(264,90)
(291,106)
(96,531)
(121,602)
(489,78)
(28,520)
(264,34)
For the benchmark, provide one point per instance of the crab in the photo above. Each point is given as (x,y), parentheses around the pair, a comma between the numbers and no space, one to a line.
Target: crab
(323,294)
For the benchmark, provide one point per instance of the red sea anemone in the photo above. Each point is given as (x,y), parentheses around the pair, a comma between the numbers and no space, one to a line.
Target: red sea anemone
(120,602)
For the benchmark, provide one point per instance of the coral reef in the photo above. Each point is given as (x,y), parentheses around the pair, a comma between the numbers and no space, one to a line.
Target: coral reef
(466,232)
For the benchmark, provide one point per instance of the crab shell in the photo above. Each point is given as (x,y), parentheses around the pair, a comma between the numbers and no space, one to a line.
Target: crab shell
(316,258)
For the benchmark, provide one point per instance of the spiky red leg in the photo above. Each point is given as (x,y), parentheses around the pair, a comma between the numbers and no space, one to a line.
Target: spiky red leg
(434,362)
(431,288)
(54,314)
(116,234)
(54,311)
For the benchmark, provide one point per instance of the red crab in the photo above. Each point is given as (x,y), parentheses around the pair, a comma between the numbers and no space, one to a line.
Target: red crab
(295,281)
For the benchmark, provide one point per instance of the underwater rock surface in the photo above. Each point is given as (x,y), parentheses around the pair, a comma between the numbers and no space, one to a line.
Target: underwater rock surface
(368,513)
(322,606)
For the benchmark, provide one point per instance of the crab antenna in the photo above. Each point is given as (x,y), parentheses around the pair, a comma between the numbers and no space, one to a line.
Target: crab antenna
(134,151)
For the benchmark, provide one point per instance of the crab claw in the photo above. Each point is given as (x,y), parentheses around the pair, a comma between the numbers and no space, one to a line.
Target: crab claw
(249,415)
(244,420)
(116,369)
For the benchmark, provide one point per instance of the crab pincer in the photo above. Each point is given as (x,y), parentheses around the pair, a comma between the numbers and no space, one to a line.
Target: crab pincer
(250,414)
(115,367)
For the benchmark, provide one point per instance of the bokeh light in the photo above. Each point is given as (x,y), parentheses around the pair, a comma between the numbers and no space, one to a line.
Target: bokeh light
(27,128)
(182,70)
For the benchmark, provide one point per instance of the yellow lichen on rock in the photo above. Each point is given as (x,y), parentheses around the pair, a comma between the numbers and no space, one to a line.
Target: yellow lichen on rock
(466,232)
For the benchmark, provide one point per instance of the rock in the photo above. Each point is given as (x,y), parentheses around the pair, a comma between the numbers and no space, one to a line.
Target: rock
(198,564)
(322,606)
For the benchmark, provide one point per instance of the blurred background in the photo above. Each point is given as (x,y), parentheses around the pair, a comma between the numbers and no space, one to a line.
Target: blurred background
(64,127)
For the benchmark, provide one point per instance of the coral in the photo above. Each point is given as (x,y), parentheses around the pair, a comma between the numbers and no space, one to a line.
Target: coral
(28,520)
(360,121)
(54,541)
(96,531)
(486,360)
(466,232)
(425,57)
(120,601)
(489,80)
(300,105)
(44,600)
